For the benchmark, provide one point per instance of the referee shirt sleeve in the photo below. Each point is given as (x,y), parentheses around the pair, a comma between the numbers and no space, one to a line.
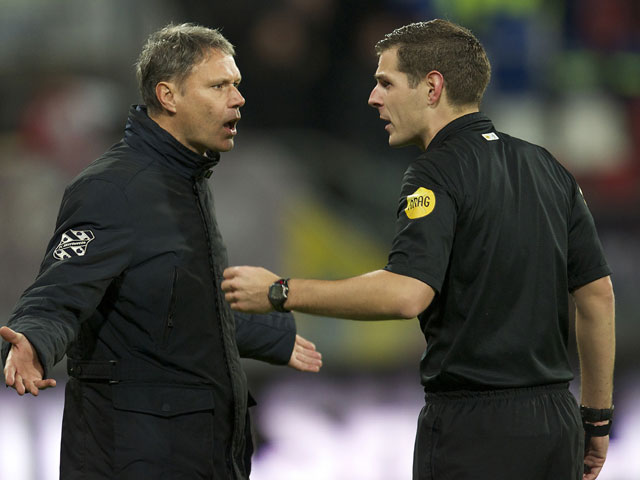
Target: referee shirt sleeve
(585,257)
(425,228)
(90,247)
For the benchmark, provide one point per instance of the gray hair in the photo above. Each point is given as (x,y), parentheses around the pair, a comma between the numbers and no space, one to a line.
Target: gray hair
(171,53)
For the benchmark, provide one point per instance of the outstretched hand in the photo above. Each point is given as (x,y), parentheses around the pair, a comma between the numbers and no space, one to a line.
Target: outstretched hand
(22,370)
(246,288)
(305,357)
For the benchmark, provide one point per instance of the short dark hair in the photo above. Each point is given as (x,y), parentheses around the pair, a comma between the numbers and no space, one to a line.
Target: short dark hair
(446,47)
(171,53)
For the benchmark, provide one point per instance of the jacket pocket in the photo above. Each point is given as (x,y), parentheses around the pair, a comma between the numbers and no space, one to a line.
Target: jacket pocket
(162,430)
(162,400)
(171,312)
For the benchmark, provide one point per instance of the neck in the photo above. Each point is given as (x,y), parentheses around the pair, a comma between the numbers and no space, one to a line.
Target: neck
(441,117)
(165,121)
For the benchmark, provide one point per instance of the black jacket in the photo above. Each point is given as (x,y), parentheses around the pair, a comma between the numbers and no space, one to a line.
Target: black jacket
(131,276)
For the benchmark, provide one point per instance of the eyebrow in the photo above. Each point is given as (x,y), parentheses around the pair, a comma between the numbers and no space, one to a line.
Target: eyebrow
(237,79)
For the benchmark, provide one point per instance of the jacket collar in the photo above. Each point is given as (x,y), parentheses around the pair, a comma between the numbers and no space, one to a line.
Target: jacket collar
(474,120)
(142,133)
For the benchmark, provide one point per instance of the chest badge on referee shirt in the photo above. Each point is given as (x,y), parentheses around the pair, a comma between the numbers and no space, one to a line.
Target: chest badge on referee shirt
(420,203)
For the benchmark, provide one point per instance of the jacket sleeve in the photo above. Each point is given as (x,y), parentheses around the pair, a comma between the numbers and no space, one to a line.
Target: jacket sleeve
(90,247)
(268,337)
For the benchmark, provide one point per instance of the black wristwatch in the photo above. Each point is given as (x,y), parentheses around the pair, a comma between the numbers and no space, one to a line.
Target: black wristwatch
(278,294)
(593,415)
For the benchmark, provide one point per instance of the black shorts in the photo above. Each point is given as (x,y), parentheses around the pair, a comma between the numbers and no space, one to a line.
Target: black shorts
(525,434)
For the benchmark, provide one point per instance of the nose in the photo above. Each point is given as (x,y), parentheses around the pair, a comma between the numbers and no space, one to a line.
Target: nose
(374,98)
(237,100)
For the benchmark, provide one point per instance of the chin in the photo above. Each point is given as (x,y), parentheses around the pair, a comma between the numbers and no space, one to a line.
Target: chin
(225,147)
(399,142)
(395,143)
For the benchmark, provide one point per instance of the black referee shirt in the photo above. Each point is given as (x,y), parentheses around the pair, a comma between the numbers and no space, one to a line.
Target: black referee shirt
(501,232)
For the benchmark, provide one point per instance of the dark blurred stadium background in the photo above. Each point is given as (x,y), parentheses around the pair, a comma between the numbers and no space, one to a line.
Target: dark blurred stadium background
(311,188)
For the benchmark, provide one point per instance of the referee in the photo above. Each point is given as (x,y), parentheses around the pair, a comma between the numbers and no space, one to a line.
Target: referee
(493,235)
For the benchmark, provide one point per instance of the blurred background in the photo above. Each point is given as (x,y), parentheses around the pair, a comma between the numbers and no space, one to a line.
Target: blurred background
(311,188)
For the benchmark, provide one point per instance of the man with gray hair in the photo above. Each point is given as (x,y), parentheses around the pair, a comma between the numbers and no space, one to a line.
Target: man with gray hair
(129,288)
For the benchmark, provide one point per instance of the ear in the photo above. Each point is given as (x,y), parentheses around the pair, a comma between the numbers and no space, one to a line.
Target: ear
(165,93)
(435,85)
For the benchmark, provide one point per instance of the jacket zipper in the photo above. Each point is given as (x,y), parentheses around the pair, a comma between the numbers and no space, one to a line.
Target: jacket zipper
(205,224)
(168,328)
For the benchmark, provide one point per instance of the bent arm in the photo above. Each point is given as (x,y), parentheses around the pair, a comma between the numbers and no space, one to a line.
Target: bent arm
(595,333)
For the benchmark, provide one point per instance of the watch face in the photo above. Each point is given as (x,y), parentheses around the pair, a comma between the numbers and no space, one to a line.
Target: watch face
(276,293)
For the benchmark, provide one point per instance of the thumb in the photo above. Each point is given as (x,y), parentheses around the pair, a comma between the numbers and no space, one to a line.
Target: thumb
(9,335)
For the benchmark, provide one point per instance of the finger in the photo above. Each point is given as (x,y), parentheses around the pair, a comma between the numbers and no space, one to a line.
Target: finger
(9,375)
(19,385)
(230,272)
(310,360)
(31,388)
(44,384)
(306,359)
(226,286)
(304,342)
(10,336)
(310,353)
(593,470)
(303,367)
(310,367)
(235,305)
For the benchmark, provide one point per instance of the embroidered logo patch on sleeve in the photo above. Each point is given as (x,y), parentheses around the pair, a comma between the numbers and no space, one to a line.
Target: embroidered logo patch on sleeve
(420,203)
(73,243)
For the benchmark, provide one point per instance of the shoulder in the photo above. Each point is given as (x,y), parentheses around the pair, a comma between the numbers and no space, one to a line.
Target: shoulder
(439,167)
(119,167)
(542,158)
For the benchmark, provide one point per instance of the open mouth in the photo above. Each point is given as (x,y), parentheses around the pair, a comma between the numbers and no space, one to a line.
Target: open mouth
(231,126)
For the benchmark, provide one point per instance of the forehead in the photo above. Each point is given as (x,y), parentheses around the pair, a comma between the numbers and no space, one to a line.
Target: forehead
(388,62)
(216,65)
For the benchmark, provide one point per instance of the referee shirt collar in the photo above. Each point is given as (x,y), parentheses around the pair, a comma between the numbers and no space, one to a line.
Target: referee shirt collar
(477,119)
